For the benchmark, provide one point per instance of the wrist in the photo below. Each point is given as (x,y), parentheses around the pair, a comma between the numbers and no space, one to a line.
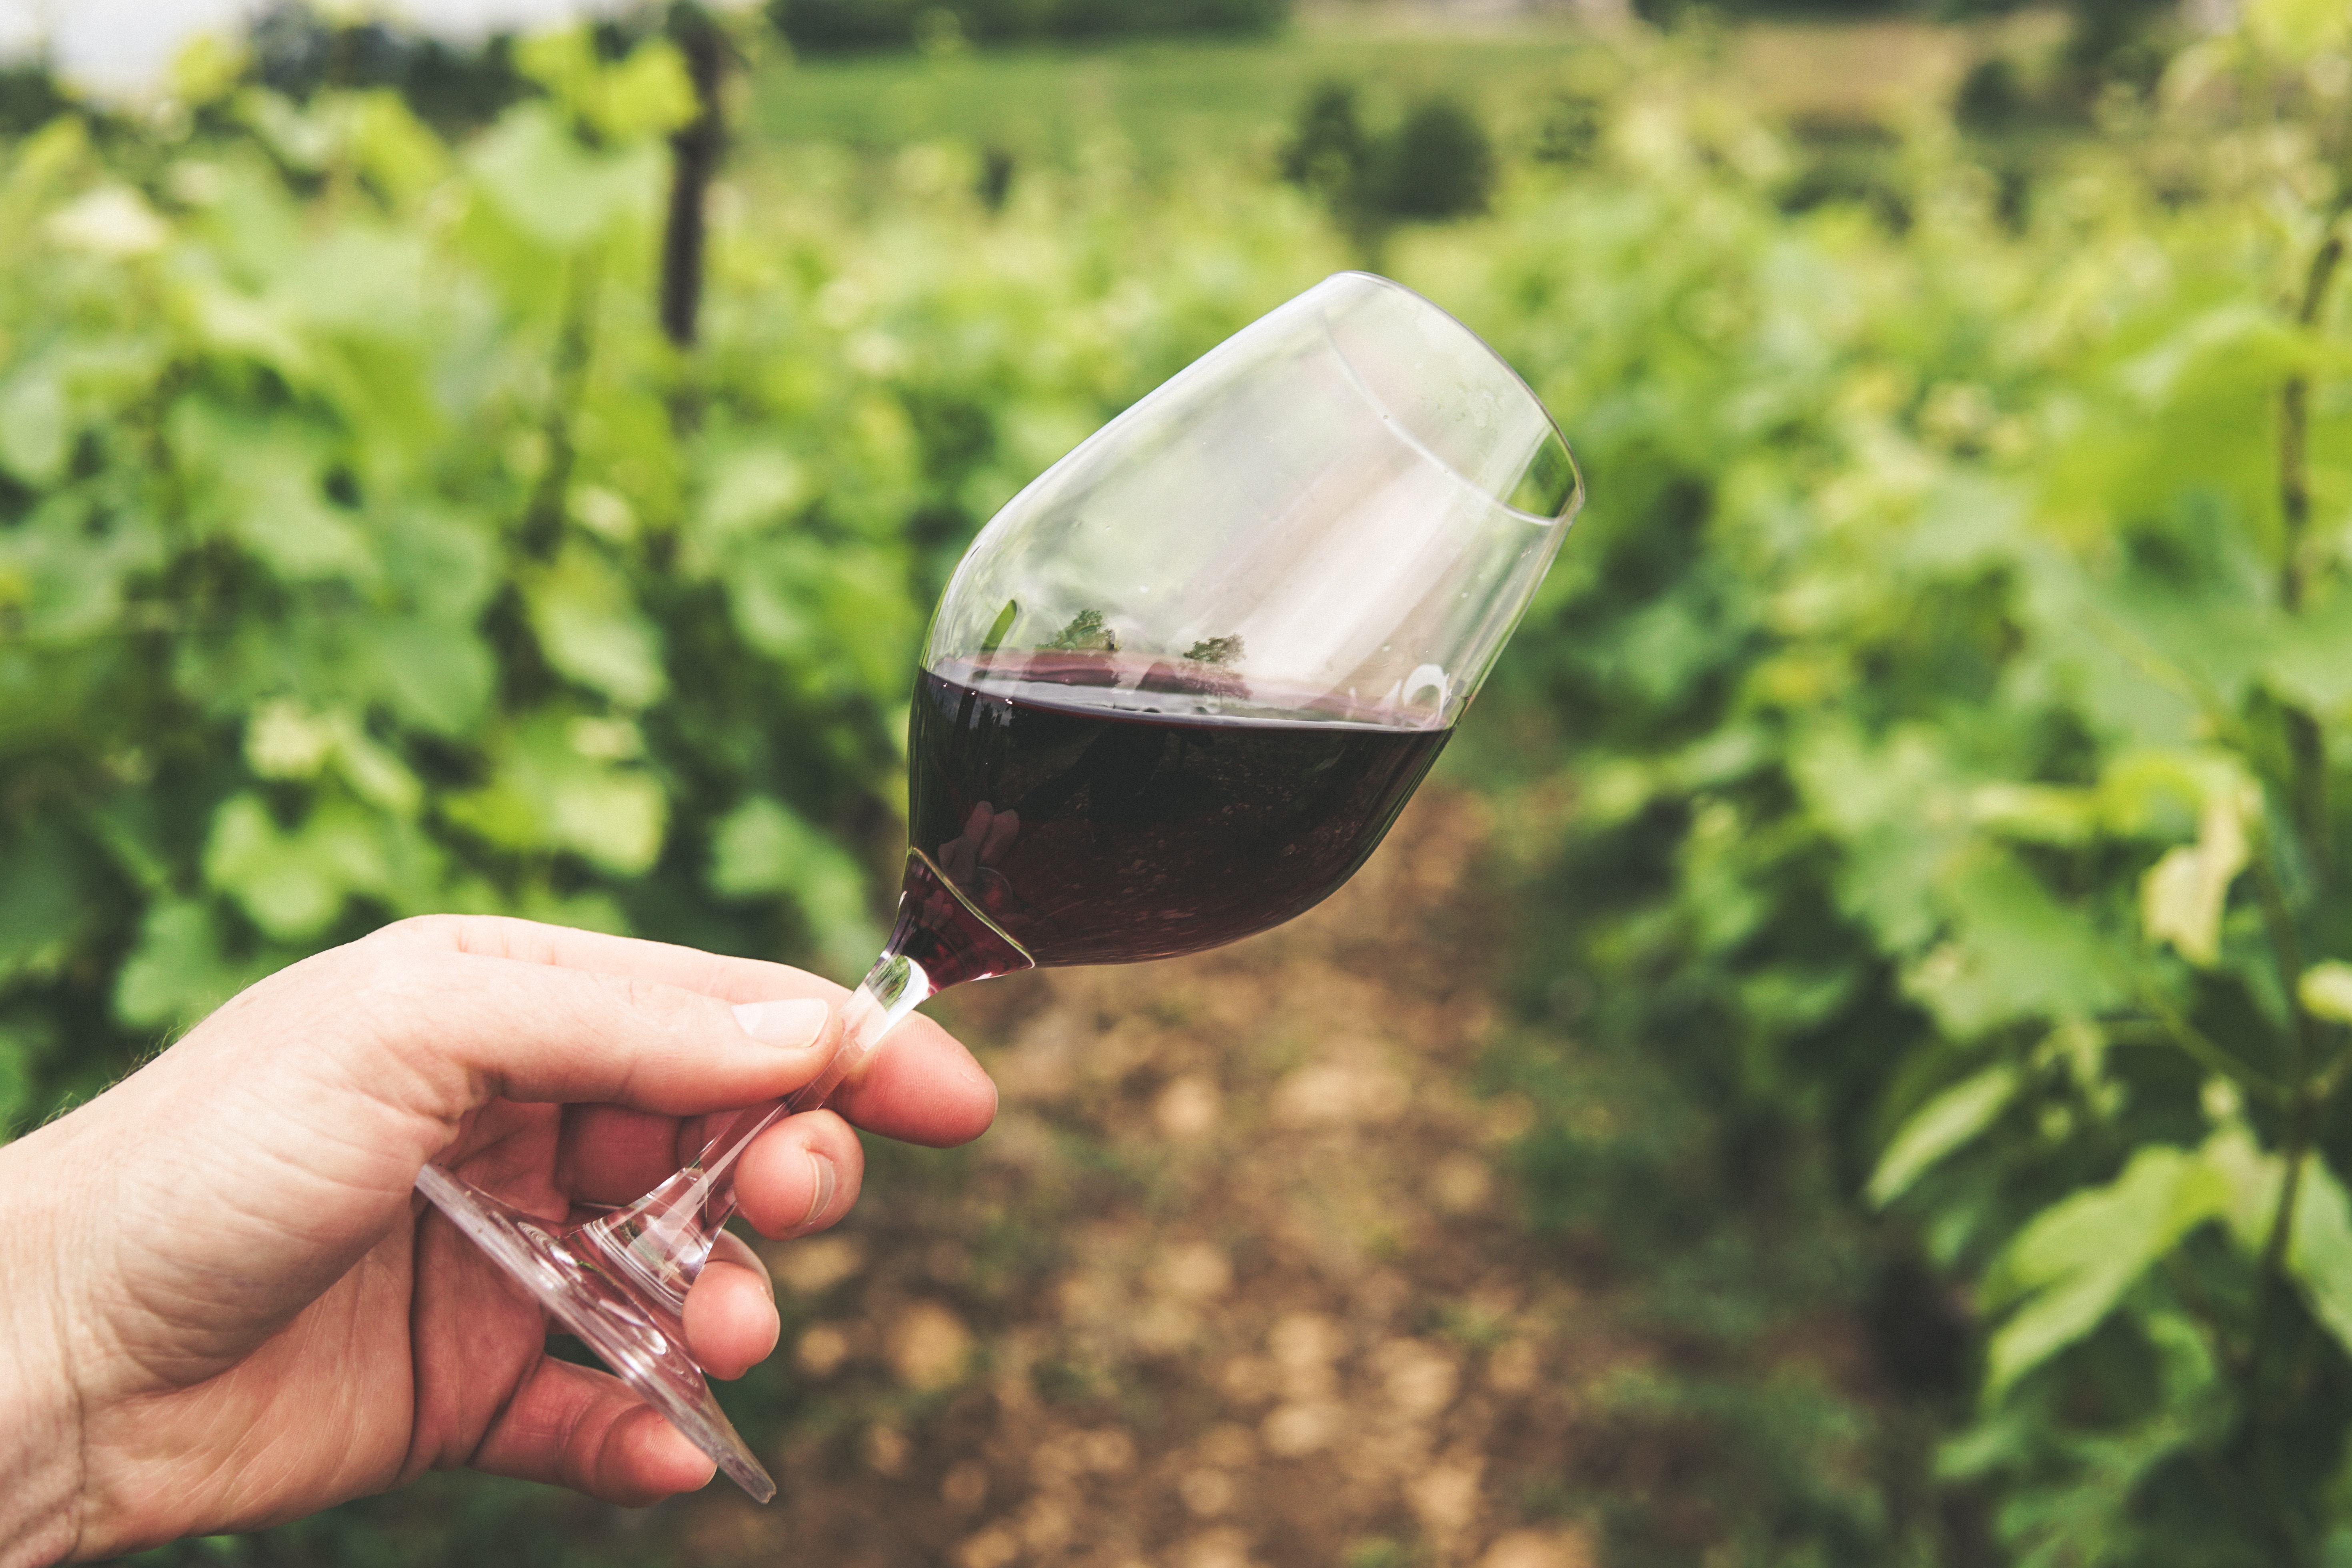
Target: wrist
(40,1421)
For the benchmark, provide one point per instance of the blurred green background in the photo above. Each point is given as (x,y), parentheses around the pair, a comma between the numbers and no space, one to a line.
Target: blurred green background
(1846,1064)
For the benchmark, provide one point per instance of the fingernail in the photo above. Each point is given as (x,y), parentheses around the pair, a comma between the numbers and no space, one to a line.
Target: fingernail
(825,1182)
(796,1023)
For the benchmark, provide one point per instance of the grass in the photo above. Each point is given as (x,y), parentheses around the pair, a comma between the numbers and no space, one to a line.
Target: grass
(1170,101)
(1176,102)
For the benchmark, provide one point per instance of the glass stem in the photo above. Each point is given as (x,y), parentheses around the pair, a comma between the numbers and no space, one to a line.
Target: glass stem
(662,1240)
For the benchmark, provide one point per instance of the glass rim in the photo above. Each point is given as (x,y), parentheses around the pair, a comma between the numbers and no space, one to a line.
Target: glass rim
(1571,504)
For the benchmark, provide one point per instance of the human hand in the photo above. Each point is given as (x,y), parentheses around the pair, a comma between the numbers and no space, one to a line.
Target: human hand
(221,1305)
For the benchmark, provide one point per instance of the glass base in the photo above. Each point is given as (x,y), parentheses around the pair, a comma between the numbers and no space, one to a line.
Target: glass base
(639,1338)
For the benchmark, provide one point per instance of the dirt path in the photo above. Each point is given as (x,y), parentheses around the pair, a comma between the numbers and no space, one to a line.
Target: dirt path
(1233,1281)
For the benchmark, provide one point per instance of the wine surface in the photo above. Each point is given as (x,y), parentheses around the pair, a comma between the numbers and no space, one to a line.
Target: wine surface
(1097,811)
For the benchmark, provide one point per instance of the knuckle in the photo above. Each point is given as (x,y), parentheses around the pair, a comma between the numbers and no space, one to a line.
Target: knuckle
(439,931)
(664,1009)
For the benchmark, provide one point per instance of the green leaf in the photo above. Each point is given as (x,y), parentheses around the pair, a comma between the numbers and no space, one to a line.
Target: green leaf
(2325,991)
(2073,1263)
(2297,30)
(763,846)
(113,221)
(1937,1128)
(2037,814)
(257,481)
(2311,662)
(590,628)
(42,916)
(436,676)
(247,856)
(648,93)
(2014,953)
(2320,1252)
(181,969)
(2319,1245)
(34,427)
(375,773)
(62,579)
(750,490)
(397,150)
(294,883)
(559,192)
(548,793)
(836,619)
(19,1048)
(2166,792)
(2182,894)
(284,740)
(1895,807)
(2243,335)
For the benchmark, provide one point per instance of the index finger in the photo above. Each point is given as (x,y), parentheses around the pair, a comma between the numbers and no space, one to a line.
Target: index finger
(688,968)
(922,1086)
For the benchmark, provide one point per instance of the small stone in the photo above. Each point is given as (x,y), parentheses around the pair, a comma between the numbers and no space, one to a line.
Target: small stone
(813,1266)
(991,1548)
(1082,1299)
(1247,1379)
(1224,1547)
(1295,1431)
(886,1450)
(1186,1109)
(1509,1117)
(1421,1380)
(1109,1452)
(965,1486)
(1339,1094)
(1196,1271)
(1046,1524)
(1303,1340)
(1228,1446)
(1513,1368)
(1445,1498)
(1164,1327)
(822,1349)
(928,1346)
(1207,1492)
(1305,1344)
(1461,1184)
(1542,1549)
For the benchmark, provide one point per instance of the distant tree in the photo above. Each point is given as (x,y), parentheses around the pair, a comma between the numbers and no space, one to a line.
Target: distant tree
(1327,150)
(29,97)
(298,51)
(1439,163)
(821,24)
(844,24)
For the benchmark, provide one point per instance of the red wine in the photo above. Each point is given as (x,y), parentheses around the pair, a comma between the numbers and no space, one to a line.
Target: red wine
(1080,808)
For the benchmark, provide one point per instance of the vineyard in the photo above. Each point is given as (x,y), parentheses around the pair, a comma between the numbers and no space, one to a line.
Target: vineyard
(1895,897)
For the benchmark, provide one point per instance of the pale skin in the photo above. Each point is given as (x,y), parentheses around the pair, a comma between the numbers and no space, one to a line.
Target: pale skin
(223,1306)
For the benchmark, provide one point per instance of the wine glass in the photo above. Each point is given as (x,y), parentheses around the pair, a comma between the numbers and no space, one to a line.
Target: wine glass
(1175,693)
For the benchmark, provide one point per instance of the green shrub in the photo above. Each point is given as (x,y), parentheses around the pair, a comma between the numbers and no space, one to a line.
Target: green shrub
(1438,163)
(1951,672)
(365,549)
(1434,165)
(1928,761)
(822,24)
(1326,150)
